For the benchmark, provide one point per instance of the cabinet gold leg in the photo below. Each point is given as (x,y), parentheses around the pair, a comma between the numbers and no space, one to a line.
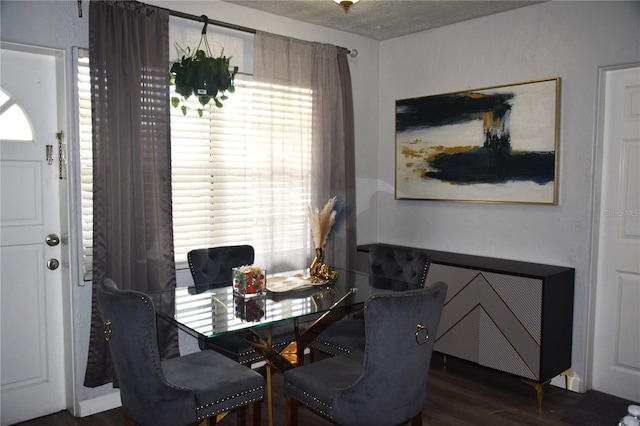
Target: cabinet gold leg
(566,375)
(538,388)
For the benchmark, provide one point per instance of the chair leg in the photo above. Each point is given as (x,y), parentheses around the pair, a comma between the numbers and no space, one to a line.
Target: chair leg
(242,416)
(268,381)
(256,412)
(128,421)
(269,385)
(417,420)
(292,411)
(314,355)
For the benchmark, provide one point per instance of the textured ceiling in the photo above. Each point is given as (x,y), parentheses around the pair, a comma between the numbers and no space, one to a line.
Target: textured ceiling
(383,19)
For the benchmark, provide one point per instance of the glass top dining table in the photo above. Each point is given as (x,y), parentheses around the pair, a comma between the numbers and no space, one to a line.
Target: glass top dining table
(208,311)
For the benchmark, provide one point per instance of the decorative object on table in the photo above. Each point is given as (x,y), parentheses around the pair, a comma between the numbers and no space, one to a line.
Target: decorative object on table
(250,310)
(321,223)
(201,74)
(249,280)
(283,284)
(492,145)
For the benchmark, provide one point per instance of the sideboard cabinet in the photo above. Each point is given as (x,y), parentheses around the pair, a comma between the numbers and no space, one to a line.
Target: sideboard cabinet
(511,316)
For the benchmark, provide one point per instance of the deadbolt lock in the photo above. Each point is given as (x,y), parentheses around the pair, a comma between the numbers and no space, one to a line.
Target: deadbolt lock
(52,240)
(53,264)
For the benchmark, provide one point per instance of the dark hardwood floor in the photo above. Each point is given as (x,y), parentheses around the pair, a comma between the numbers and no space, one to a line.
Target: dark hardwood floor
(458,394)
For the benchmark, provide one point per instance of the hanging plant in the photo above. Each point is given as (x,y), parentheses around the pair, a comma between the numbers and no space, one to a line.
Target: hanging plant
(201,74)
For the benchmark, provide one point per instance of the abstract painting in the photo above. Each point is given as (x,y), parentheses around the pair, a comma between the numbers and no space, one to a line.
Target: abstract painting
(491,145)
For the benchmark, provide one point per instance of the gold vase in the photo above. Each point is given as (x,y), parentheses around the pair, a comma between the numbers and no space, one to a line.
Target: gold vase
(316,265)
(320,269)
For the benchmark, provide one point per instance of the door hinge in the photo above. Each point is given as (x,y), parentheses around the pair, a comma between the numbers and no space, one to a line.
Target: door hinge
(62,155)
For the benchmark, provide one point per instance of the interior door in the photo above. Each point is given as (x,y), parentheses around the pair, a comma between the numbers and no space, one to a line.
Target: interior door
(32,357)
(616,349)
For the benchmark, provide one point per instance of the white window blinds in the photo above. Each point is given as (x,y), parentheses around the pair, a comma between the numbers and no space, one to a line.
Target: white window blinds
(240,173)
(86,160)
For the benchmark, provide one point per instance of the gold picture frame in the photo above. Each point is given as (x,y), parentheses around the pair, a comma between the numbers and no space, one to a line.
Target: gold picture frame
(491,145)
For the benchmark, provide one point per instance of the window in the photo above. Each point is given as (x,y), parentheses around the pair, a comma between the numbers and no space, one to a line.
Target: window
(240,174)
(86,161)
(14,123)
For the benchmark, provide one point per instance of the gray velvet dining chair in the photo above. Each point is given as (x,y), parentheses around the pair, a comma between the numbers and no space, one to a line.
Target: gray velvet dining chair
(390,267)
(212,268)
(384,385)
(186,390)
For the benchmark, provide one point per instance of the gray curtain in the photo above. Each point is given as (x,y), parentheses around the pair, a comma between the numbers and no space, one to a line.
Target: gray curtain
(133,231)
(325,69)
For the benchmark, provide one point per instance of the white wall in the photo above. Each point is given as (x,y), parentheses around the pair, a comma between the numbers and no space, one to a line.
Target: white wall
(566,39)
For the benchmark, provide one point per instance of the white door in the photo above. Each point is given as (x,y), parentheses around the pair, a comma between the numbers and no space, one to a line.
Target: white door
(616,349)
(32,352)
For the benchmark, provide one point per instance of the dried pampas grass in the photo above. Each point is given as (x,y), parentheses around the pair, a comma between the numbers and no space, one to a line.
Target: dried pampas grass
(321,222)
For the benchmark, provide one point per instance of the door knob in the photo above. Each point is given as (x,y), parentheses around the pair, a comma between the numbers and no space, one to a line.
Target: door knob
(52,240)
(53,264)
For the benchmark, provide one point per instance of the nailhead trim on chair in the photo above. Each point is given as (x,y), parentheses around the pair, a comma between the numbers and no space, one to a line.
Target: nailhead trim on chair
(155,359)
(331,345)
(425,271)
(229,408)
(322,403)
(229,397)
(257,357)
(317,400)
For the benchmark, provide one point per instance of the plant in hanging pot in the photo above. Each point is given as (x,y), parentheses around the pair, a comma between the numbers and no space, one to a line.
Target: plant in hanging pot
(201,74)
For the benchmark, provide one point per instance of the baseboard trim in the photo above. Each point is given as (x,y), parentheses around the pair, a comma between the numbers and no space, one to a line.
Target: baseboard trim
(99,404)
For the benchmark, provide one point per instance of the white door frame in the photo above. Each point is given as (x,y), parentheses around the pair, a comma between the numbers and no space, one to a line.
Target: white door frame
(595,212)
(67,244)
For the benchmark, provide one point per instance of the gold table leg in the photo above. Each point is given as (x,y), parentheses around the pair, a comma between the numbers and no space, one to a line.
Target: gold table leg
(321,324)
(293,354)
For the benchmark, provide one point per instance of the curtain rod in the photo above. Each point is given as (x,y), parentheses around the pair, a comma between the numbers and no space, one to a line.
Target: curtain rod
(352,52)
(211,21)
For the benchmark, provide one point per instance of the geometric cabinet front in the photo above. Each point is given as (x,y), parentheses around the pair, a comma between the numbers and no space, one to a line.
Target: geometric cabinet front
(491,319)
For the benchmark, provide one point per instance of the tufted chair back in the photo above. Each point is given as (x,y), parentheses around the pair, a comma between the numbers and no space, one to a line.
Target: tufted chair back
(398,268)
(212,267)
